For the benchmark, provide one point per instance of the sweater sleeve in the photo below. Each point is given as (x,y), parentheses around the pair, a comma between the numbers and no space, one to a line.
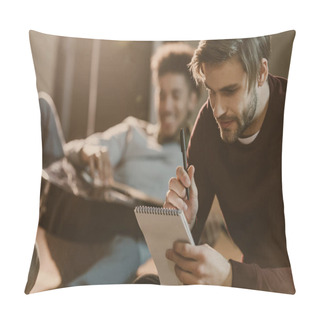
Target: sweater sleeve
(114,139)
(251,276)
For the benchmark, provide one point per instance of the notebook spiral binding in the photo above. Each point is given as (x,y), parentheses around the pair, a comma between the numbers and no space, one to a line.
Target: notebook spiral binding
(157,210)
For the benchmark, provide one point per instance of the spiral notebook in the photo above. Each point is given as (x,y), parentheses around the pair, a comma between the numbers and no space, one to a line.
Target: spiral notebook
(161,228)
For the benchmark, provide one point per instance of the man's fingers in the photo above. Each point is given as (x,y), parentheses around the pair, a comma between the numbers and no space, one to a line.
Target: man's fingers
(187,181)
(189,271)
(182,262)
(193,187)
(189,251)
(106,166)
(168,205)
(92,167)
(100,166)
(191,171)
(183,177)
(186,277)
(176,186)
(174,200)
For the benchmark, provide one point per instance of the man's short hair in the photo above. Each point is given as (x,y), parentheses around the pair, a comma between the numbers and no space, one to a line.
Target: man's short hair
(174,58)
(249,51)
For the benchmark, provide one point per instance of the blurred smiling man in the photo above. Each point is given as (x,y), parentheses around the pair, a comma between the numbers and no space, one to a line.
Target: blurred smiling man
(137,153)
(176,93)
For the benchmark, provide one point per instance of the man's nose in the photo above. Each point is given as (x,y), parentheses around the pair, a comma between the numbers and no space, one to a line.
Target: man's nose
(218,107)
(166,104)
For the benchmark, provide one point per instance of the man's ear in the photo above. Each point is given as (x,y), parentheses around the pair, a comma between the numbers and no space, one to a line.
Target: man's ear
(263,73)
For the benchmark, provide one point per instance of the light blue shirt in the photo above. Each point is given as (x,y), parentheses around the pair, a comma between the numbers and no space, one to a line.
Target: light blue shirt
(136,156)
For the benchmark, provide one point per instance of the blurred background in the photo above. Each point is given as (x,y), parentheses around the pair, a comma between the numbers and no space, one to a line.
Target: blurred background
(95,84)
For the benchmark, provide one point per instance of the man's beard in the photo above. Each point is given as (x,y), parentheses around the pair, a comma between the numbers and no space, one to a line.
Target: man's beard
(232,135)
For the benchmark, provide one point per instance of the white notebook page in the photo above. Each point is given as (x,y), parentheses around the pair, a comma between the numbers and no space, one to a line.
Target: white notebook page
(161,228)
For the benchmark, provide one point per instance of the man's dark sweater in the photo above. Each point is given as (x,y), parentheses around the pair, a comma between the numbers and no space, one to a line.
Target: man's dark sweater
(247,181)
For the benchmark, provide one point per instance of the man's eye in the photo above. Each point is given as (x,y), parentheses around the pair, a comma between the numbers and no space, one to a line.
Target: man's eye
(176,96)
(229,92)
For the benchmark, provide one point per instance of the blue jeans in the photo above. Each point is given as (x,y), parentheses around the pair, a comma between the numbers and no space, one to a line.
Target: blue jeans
(119,266)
